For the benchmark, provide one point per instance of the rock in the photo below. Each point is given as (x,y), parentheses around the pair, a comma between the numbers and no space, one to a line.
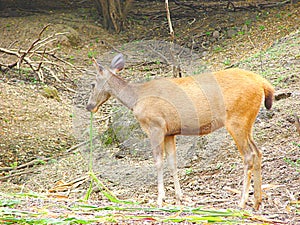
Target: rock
(231,33)
(282,95)
(245,28)
(63,40)
(50,92)
(74,37)
(216,34)
(125,132)
(205,53)
(70,39)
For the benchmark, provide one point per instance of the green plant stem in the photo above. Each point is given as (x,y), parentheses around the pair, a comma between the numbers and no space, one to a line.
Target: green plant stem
(91,144)
(104,190)
(89,191)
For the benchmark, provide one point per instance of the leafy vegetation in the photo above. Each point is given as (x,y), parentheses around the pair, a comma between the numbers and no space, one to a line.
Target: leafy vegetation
(82,212)
(87,213)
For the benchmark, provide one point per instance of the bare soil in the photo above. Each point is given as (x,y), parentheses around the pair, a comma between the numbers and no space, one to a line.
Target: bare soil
(33,126)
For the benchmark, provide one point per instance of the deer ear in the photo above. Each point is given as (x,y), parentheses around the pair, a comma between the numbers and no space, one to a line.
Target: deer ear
(117,64)
(99,68)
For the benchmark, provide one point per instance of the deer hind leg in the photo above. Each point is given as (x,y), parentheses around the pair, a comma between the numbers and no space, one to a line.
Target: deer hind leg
(170,149)
(240,137)
(248,167)
(257,178)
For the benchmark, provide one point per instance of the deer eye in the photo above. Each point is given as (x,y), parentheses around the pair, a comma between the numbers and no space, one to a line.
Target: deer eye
(93,85)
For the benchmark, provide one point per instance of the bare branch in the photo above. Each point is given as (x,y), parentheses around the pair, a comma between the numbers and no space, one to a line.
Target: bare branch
(16,174)
(169,20)
(175,64)
(33,44)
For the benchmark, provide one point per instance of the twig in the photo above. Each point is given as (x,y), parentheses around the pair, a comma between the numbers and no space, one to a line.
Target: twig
(251,42)
(191,6)
(160,54)
(32,45)
(78,145)
(38,161)
(169,20)
(28,164)
(111,46)
(64,61)
(175,65)
(47,52)
(229,6)
(297,123)
(14,170)
(16,174)
(10,52)
(48,39)
(62,186)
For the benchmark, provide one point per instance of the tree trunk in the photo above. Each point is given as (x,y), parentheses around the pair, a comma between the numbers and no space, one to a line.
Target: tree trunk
(114,13)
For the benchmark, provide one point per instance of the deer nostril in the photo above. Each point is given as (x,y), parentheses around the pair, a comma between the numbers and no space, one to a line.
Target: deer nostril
(90,107)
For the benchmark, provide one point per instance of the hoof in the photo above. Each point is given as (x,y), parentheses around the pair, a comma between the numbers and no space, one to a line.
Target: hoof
(256,205)
(242,205)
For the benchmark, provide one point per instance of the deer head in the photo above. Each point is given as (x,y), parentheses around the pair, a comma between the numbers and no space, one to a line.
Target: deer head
(101,90)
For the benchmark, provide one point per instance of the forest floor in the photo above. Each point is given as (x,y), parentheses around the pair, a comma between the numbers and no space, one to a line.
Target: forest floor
(44,139)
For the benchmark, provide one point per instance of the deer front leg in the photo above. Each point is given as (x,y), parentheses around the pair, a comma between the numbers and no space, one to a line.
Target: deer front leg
(158,159)
(170,148)
(157,143)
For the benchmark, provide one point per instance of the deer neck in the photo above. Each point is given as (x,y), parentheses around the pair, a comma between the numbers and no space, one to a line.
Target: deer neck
(123,91)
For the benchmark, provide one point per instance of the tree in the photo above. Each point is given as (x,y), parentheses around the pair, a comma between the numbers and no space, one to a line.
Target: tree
(114,13)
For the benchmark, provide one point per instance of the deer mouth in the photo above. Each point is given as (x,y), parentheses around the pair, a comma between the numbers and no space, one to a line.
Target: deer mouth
(92,108)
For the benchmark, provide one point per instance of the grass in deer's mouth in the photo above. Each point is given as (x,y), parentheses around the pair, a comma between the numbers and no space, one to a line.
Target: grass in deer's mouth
(104,190)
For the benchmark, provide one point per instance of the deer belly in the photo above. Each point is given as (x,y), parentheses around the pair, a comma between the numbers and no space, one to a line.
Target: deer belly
(195,127)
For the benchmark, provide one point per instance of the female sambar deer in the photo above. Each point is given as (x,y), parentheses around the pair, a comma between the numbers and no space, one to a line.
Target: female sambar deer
(195,105)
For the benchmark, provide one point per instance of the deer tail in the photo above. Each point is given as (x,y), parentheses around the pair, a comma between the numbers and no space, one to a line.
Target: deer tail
(269,94)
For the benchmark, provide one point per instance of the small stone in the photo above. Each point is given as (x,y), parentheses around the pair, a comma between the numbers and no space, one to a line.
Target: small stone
(231,33)
(282,95)
(50,92)
(216,34)
(205,53)
(245,28)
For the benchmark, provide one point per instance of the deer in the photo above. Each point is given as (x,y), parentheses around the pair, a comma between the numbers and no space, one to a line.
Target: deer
(191,105)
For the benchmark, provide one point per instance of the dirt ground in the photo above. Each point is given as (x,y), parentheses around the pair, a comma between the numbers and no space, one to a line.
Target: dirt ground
(36,127)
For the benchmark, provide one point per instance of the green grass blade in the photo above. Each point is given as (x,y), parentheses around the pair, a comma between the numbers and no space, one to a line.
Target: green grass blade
(9,202)
(107,193)
(88,193)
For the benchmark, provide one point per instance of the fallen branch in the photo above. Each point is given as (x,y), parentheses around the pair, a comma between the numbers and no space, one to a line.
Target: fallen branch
(41,161)
(229,5)
(32,45)
(28,164)
(78,146)
(62,186)
(41,59)
(16,174)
